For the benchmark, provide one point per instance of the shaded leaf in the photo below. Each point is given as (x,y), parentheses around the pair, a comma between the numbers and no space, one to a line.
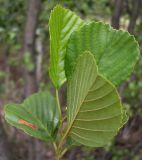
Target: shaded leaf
(125,112)
(61,24)
(115,51)
(94,107)
(37,116)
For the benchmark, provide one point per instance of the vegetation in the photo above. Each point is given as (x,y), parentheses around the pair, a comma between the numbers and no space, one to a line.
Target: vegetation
(93,59)
(26,67)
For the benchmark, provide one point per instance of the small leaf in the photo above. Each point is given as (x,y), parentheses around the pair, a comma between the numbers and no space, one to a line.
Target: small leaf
(61,24)
(94,107)
(125,112)
(115,51)
(37,116)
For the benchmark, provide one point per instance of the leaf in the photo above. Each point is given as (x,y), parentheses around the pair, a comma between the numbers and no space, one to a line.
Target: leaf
(37,116)
(115,51)
(61,24)
(94,107)
(125,112)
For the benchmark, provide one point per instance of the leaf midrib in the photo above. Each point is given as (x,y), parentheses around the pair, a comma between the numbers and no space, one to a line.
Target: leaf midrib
(70,127)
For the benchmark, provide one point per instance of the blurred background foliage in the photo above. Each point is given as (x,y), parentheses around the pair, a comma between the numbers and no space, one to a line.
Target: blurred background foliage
(20,62)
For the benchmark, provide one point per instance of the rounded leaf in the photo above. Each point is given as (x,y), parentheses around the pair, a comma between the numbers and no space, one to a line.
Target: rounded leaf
(37,116)
(115,51)
(94,107)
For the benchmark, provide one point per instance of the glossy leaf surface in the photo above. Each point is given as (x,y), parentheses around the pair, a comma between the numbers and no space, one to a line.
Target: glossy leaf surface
(94,107)
(115,51)
(61,24)
(37,116)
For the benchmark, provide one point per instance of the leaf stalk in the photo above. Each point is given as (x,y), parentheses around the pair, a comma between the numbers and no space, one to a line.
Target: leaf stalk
(58,105)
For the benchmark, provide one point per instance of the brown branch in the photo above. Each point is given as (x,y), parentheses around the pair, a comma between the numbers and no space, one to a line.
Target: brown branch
(5,145)
(118,7)
(29,47)
(137,4)
(29,44)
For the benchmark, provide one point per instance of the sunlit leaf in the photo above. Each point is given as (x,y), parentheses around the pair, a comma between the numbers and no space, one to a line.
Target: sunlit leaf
(115,51)
(62,23)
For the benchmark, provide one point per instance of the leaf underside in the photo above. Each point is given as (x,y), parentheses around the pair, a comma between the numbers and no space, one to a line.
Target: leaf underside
(115,51)
(94,107)
(61,24)
(37,116)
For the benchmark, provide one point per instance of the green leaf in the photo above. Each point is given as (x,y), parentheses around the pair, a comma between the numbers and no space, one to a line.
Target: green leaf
(61,24)
(125,112)
(115,51)
(94,107)
(37,116)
